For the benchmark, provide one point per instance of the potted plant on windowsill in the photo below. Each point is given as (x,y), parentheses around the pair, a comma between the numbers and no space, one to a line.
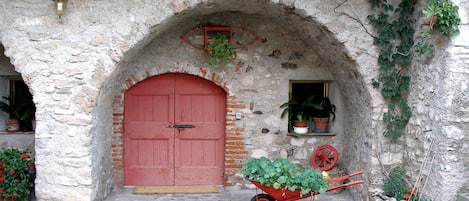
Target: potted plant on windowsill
(20,109)
(299,114)
(322,113)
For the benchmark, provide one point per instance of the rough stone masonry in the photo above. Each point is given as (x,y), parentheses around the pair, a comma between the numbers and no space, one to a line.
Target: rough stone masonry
(79,66)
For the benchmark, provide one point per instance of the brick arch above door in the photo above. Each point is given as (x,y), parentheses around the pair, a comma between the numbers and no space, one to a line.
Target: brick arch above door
(234,137)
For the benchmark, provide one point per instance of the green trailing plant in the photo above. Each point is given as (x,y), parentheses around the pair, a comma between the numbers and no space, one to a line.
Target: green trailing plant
(296,110)
(395,40)
(424,45)
(443,16)
(220,51)
(283,174)
(15,177)
(325,109)
(21,107)
(395,184)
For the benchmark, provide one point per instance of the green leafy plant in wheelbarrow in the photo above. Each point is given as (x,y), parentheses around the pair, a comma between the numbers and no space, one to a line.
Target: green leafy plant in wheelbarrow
(284,181)
(283,174)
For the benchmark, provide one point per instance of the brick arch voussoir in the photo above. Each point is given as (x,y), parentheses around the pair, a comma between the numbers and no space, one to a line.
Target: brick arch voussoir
(213,77)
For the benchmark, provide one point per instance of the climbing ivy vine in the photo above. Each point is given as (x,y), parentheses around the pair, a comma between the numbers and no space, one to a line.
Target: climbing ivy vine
(395,39)
(395,33)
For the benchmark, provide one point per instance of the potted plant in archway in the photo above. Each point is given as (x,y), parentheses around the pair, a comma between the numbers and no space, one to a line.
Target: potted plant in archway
(20,109)
(322,114)
(219,50)
(299,114)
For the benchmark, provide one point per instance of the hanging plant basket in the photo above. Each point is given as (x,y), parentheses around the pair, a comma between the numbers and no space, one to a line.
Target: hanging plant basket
(217,43)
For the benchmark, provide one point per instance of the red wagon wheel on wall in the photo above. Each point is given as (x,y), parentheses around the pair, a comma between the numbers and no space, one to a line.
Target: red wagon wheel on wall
(324,157)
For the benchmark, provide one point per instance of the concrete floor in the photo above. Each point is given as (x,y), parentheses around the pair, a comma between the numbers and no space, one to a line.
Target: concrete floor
(126,194)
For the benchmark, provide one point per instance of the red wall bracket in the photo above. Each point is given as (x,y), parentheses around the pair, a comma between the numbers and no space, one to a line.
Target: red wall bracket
(208,29)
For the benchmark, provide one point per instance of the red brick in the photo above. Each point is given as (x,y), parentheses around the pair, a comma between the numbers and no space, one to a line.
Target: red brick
(234,166)
(234,138)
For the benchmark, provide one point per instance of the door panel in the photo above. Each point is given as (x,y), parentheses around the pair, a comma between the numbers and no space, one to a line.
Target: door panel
(158,155)
(148,143)
(199,151)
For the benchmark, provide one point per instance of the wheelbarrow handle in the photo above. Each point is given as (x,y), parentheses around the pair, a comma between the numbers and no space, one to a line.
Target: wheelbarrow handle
(344,185)
(344,177)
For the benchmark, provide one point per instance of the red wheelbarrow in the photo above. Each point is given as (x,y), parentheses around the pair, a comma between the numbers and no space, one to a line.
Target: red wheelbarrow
(272,194)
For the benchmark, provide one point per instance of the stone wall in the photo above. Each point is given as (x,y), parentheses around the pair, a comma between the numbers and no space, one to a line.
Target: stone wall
(256,90)
(437,134)
(78,68)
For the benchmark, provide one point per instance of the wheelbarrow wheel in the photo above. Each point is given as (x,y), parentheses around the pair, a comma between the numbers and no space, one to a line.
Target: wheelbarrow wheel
(325,157)
(262,197)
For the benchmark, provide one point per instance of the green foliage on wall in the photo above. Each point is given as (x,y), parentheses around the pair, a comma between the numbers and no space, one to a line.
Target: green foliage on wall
(446,16)
(395,32)
(220,51)
(440,16)
(395,39)
(395,184)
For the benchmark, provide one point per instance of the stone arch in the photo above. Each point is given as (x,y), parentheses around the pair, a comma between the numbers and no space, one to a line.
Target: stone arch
(126,31)
(347,61)
(76,65)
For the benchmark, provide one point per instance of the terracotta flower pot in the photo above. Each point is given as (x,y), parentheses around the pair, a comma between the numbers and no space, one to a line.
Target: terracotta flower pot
(300,127)
(321,124)
(13,125)
(300,123)
(428,21)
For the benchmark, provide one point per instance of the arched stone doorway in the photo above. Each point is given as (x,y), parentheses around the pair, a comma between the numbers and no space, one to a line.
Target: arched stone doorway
(78,65)
(308,51)
(97,59)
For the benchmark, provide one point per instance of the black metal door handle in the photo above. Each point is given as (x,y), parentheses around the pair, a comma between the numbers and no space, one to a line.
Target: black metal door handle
(181,126)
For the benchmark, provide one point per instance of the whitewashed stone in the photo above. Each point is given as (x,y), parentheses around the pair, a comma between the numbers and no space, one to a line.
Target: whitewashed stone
(283,153)
(258,153)
(298,142)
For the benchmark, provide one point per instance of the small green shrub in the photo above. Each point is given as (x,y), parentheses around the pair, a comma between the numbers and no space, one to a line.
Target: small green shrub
(395,186)
(447,16)
(442,16)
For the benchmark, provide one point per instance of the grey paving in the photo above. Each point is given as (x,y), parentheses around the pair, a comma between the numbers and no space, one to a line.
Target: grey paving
(126,194)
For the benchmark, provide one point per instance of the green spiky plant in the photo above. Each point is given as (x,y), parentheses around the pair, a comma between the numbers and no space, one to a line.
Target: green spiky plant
(19,107)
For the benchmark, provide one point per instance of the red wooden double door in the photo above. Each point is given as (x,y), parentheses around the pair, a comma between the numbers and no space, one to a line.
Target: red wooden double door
(174,127)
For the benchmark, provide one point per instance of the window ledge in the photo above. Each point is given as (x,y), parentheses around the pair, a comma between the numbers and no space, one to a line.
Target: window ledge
(312,134)
(16,132)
